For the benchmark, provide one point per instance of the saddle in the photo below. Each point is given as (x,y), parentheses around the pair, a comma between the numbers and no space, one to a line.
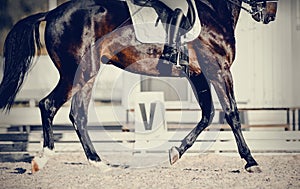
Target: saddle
(148,30)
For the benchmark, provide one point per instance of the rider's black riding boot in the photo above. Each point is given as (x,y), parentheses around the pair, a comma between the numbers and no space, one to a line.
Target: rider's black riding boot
(170,52)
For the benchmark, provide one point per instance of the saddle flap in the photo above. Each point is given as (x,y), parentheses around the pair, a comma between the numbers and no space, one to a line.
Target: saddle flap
(148,31)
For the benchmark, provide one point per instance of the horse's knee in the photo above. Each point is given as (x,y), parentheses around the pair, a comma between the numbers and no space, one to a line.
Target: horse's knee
(211,116)
(208,117)
(79,120)
(233,119)
(78,116)
(207,106)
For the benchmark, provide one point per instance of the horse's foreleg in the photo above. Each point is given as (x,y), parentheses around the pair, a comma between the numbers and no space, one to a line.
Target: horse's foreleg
(78,116)
(225,94)
(203,94)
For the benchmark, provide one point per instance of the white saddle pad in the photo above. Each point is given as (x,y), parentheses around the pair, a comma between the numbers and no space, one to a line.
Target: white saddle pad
(144,18)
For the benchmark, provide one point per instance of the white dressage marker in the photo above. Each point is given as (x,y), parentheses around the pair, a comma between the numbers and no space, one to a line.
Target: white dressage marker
(150,120)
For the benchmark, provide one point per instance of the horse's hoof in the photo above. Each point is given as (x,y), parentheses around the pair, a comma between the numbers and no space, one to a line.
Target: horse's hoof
(254,169)
(104,167)
(38,163)
(173,155)
(34,166)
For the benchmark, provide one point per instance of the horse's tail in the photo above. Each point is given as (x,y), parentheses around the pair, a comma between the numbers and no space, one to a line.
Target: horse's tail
(19,49)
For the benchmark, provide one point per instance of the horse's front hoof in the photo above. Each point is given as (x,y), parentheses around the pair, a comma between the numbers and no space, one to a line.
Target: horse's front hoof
(253,169)
(173,155)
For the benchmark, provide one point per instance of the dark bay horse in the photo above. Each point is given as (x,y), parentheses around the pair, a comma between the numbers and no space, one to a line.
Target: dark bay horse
(81,34)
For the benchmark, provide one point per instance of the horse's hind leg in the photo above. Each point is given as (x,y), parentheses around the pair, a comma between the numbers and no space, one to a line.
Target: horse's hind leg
(49,107)
(203,94)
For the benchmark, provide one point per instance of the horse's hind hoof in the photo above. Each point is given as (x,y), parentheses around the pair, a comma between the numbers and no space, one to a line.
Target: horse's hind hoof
(174,155)
(38,163)
(254,169)
(104,167)
(34,166)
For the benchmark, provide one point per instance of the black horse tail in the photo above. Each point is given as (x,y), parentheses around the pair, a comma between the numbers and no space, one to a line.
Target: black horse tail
(20,47)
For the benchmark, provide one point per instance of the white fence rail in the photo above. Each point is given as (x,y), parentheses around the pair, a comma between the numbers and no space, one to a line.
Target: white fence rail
(115,141)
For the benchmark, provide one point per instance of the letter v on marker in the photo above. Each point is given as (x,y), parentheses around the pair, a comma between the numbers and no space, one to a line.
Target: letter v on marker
(148,126)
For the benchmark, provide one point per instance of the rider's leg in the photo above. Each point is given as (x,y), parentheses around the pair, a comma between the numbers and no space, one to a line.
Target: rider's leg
(170,52)
(176,24)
